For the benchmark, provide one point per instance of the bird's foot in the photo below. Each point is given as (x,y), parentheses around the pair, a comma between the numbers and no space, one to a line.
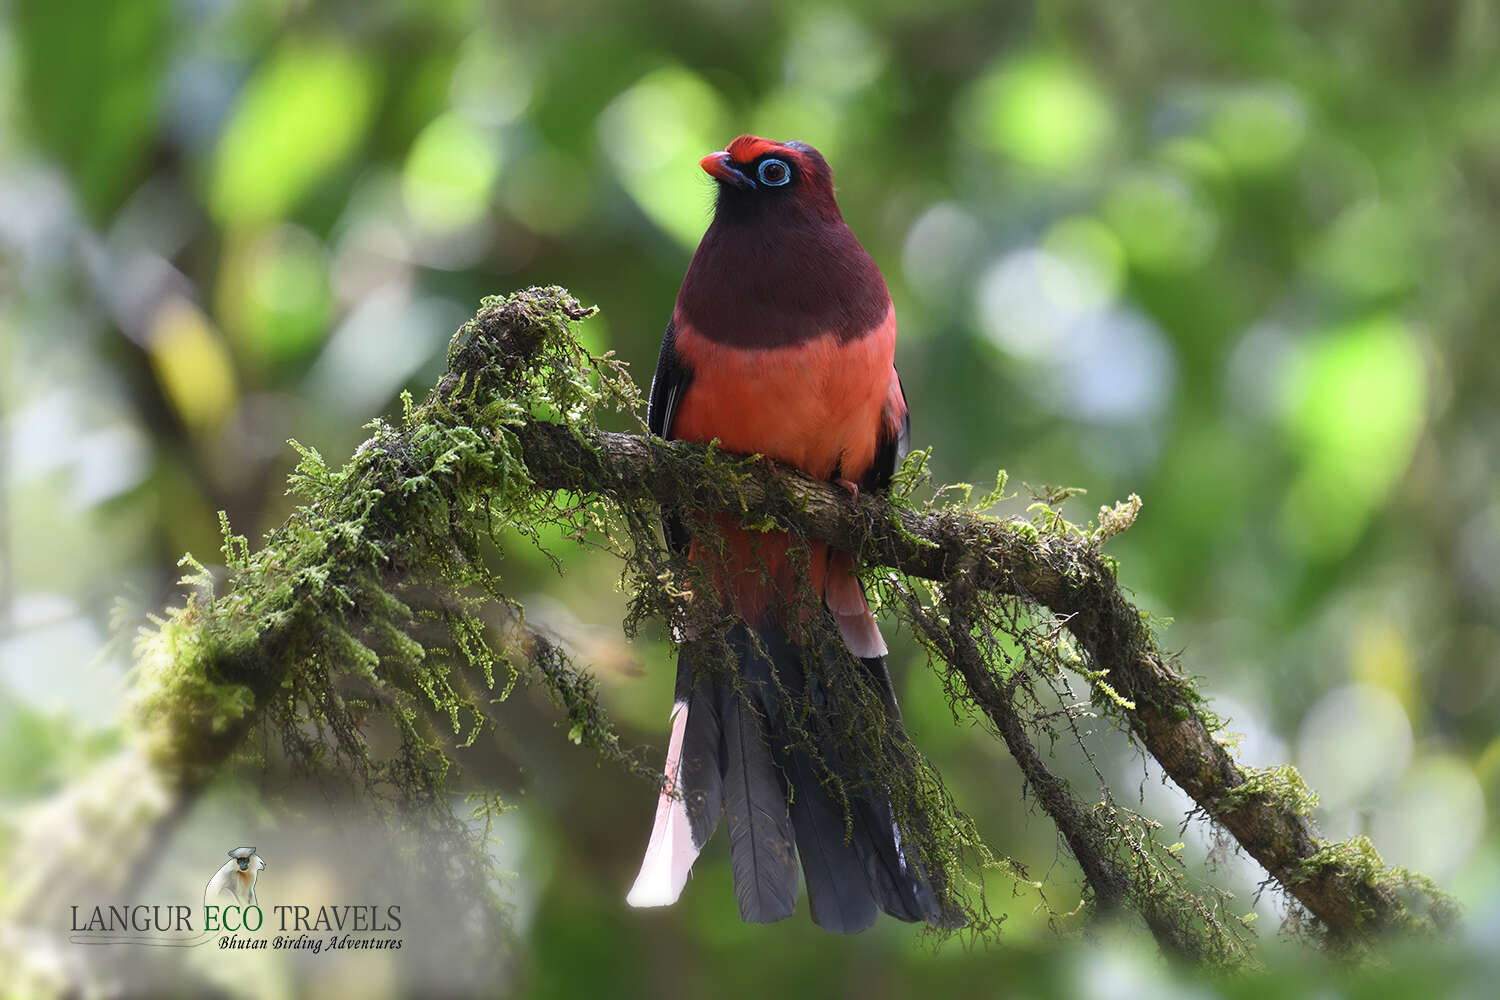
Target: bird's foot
(849,485)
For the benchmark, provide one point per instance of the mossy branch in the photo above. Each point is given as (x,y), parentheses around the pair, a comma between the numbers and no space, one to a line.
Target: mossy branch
(1068,575)
(1136,680)
(379,594)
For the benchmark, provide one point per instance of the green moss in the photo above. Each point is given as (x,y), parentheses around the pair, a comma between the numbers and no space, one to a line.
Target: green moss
(1282,785)
(377,596)
(1419,906)
(177,700)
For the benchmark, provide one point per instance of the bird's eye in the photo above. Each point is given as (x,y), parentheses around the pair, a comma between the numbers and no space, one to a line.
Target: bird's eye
(774,173)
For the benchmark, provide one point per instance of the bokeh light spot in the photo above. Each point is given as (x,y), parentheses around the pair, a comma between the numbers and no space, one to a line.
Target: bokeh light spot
(1087,357)
(805,114)
(1433,817)
(1091,247)
(832,52)
(492,83)
(452,165)
(1352,742)
(300,115)
(940,248)
(1354,403)
(1260,130)
(1161,222)
(653,135)
(1367,252)
(1039,111)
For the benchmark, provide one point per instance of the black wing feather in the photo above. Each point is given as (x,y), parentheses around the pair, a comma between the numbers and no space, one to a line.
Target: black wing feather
(667,387)
(890,450)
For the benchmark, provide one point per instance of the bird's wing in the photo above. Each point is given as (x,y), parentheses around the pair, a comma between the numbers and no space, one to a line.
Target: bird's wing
(667,388)
(894,439)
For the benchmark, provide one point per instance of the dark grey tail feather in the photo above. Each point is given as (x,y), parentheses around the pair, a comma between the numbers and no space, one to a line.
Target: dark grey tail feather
(760,831)
(838,883)
(847,876)
(702,783)
(881,676)
(903,889)
(839,888)
(900,885)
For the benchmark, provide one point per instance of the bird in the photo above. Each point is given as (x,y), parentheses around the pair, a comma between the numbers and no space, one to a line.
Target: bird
(781,344)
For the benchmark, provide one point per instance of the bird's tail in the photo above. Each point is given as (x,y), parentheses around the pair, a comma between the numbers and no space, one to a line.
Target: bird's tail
(738,750)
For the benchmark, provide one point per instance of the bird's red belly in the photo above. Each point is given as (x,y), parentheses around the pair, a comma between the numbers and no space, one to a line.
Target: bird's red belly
(816,406)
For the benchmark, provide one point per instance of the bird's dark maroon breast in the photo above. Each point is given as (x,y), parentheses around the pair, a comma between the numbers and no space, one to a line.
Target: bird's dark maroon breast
(765,287)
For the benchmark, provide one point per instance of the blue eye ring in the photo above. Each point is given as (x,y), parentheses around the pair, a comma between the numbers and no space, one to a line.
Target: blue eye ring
(774,172)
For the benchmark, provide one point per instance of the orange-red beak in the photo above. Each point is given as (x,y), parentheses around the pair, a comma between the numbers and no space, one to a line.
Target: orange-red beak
(722,168)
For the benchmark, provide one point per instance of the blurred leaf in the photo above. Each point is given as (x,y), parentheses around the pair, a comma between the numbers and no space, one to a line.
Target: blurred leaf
(192,364)
(40,752)
(299,116)
(1367,252)
(91,76)
(1194,159)
(654,134)
(274,287)
(449,172)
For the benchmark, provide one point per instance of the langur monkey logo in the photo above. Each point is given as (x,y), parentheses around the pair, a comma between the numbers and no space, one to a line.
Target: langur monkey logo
(236,879)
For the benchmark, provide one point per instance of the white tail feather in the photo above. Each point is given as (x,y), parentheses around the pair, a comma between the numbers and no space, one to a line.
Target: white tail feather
(845,597)
(861,634)
(671,852)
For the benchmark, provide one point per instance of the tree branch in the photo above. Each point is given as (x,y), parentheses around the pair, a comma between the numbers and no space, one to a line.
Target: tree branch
(319,600)
(1071,578)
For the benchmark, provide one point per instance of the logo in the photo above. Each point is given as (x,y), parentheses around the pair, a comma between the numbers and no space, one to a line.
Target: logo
(236,878)
(232,911)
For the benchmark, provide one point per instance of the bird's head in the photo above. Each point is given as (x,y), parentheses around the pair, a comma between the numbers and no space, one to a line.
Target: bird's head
(757,176)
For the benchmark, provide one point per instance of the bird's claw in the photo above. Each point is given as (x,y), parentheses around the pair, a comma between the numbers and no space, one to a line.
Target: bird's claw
(849,485)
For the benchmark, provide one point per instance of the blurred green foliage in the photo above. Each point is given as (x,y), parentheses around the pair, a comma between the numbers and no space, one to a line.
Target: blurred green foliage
(1237,258)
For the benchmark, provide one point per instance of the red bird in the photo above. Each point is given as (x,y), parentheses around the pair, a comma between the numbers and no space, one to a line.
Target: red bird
(781,344)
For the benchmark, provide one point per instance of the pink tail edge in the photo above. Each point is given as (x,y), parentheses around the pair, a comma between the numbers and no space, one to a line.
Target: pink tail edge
(845,597)
(671,852)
